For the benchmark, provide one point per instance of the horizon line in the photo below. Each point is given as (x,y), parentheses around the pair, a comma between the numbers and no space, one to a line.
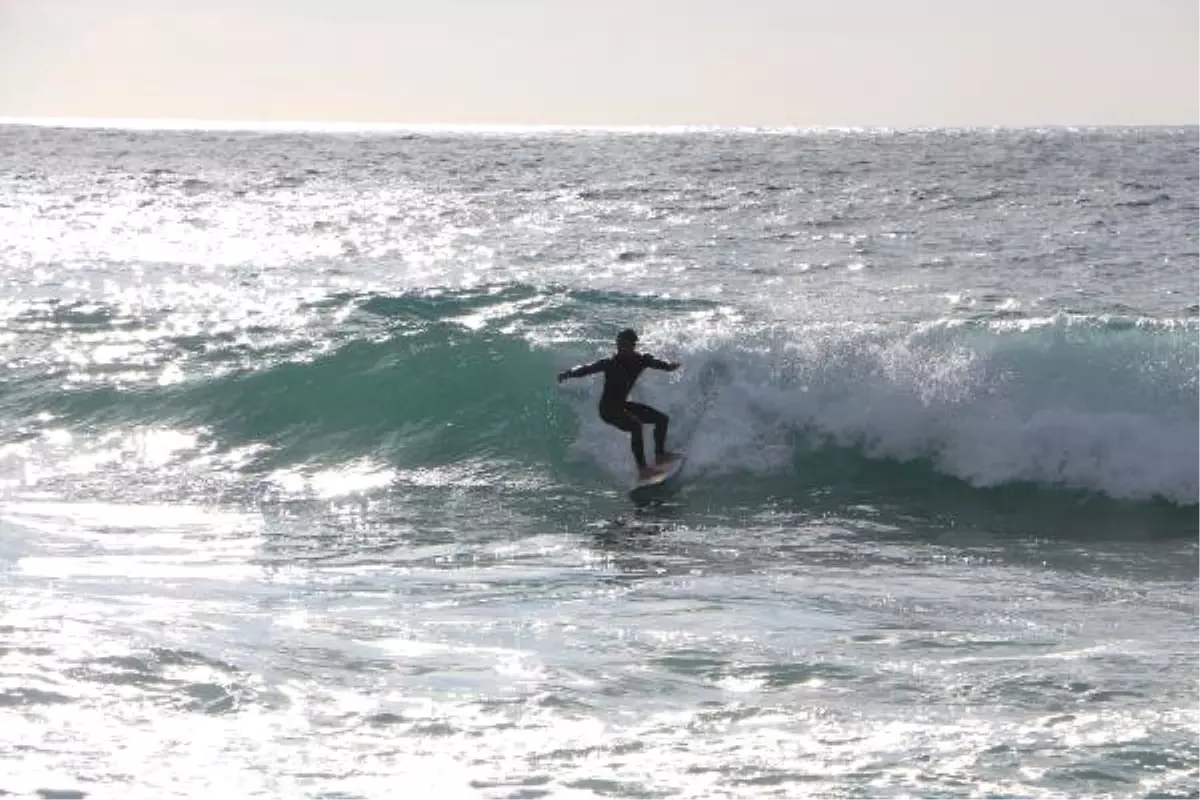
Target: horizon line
(344,126)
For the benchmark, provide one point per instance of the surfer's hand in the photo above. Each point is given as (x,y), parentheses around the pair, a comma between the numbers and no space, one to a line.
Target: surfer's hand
(674,366)
(562,376)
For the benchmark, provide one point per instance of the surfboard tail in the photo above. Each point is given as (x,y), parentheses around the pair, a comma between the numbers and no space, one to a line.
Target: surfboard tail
(665,479)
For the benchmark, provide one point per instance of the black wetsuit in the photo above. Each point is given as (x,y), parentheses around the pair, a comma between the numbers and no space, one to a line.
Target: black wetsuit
(621,371)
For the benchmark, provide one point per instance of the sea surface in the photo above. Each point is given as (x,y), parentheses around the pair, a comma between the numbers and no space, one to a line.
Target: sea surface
(291,505)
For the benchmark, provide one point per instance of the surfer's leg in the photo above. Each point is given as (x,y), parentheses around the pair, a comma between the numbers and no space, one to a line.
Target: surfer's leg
(620,418)
(660,421)
(638,446)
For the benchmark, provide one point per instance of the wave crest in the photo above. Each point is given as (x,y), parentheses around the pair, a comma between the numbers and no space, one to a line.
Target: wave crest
(1106,405)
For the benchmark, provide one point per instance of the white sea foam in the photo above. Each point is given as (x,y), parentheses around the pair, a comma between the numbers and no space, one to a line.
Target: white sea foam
(1074,403)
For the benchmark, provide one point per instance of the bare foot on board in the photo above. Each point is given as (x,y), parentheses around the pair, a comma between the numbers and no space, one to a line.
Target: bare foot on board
(667,458)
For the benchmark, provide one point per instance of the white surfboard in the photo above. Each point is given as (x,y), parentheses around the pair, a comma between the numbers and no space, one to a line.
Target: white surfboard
(665,479)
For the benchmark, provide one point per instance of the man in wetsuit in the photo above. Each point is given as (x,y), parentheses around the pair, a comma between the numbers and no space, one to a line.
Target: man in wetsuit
(621,371)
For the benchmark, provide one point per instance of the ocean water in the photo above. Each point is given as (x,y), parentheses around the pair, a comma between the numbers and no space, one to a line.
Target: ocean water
(292,506)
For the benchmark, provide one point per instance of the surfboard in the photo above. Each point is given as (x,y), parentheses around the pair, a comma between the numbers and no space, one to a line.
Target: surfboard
(664,480)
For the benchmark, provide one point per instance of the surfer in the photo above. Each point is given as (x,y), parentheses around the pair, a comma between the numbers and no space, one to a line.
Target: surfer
(621,371)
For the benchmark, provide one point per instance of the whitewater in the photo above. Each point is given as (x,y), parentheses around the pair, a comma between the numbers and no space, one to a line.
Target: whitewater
(292,505)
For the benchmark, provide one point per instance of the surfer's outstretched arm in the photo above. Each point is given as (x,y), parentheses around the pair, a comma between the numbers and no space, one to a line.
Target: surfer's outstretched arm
(658,363)
(584,369)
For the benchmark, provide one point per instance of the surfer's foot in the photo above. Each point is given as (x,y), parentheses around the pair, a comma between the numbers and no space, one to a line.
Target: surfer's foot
(648,472)
(666,458)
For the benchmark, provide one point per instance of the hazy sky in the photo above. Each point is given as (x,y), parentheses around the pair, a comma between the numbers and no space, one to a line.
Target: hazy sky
(606,62)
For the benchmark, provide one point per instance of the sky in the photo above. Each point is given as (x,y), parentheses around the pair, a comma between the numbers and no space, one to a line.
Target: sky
(873,63)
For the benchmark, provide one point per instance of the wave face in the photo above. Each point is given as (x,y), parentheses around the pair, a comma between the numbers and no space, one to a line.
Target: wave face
(1104,405)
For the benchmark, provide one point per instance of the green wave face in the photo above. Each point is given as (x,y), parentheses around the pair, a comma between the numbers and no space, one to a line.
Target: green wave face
(1100,405)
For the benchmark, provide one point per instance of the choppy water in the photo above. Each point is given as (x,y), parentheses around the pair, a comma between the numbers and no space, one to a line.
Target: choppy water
(291,505)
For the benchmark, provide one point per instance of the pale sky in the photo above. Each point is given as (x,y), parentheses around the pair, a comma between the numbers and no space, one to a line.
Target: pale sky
(893,63)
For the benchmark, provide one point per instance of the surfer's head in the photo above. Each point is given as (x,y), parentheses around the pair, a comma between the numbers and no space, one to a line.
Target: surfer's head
(626,339)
